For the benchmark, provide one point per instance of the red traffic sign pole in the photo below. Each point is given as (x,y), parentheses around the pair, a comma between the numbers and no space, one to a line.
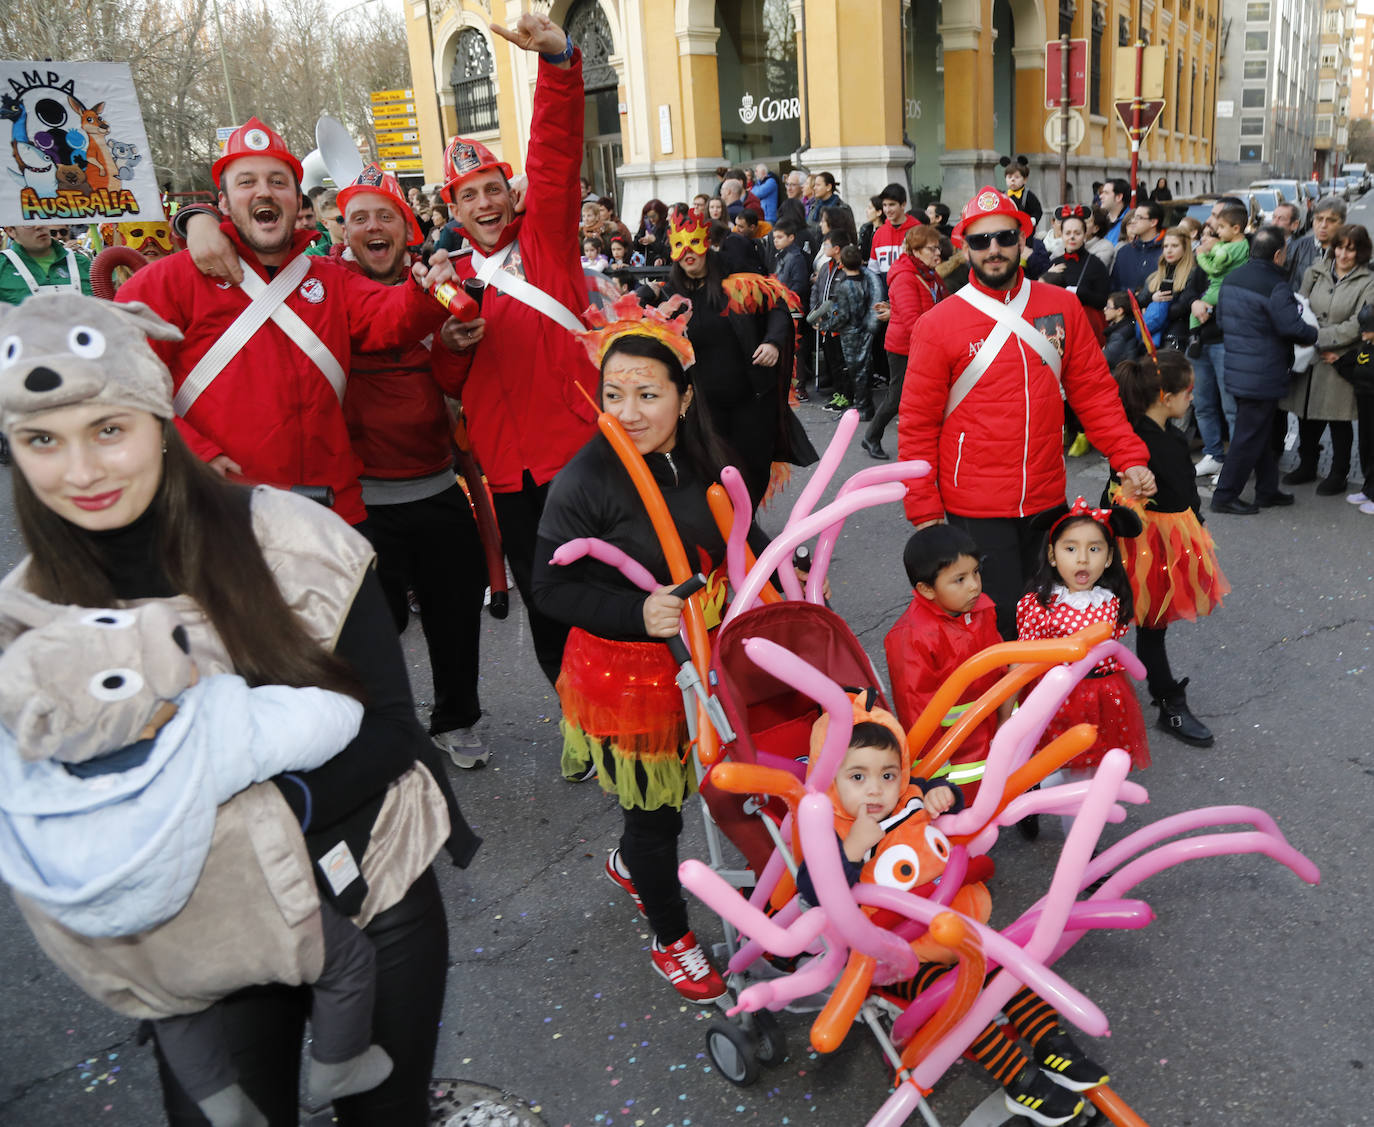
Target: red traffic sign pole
(1135,119)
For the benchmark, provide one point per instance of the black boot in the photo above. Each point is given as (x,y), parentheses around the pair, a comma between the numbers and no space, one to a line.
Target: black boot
(1176,718)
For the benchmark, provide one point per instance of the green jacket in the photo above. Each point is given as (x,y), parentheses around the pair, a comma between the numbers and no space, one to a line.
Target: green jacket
(14,288)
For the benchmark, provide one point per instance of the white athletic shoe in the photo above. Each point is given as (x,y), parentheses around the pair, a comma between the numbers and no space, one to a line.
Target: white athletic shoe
(1368,508)
(1357,498)
(463,747)
(1208,466)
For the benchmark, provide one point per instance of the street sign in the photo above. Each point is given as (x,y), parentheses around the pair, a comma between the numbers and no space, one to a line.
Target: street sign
(391,95)
(1054,74)
(393,109)
(1149,114)
(398,150)
(1054,131)
(407,164)
(1151,76)
(394,124)
(397,138)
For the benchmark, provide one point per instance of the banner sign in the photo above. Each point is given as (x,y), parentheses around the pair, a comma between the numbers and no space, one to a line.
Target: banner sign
(73,145)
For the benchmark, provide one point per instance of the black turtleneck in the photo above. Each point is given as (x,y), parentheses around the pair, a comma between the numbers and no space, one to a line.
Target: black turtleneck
(130,557)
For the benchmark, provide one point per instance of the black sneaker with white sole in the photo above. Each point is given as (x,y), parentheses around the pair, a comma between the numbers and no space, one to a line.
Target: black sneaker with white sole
(1033,1094)
(1066,1064)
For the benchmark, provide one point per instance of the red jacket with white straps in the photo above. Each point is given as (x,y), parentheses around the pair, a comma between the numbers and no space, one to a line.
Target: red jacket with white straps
(271,409)
(518,386)
(397,419)
(1000,452)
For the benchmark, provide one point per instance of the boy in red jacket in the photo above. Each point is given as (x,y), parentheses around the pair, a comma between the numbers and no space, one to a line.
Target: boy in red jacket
(949,620)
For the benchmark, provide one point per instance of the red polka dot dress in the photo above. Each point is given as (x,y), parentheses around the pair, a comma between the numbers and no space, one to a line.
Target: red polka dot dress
(1105,696)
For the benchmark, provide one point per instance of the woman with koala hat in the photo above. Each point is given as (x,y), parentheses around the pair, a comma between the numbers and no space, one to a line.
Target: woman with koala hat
(116,511)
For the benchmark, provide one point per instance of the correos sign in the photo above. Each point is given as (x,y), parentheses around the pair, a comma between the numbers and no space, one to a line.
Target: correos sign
(769,109)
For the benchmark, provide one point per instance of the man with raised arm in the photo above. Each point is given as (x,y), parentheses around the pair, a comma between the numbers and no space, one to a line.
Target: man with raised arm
(518,369)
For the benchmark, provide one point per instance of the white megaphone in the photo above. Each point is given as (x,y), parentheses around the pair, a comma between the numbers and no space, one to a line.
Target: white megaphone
(338,151)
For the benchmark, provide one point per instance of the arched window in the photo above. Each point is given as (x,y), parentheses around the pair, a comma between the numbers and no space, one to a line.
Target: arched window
(474,94)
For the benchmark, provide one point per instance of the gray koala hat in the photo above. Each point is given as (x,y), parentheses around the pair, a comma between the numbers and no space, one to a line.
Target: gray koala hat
(58,350)
(83,681)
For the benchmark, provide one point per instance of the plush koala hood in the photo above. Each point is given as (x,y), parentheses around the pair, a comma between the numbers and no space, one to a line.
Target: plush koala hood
(84,681)
(60,350)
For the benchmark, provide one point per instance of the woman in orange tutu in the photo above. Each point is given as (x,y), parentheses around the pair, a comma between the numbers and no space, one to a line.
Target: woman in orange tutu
(1172,565)
(622,710)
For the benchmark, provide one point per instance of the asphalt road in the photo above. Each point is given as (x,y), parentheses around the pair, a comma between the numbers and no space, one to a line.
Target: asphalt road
(1248,1001)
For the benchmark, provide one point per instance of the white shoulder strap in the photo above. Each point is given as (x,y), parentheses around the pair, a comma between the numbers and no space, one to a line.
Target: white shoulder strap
(260,307)
(73,276)
(301,334)
(490,272)
(1007,320)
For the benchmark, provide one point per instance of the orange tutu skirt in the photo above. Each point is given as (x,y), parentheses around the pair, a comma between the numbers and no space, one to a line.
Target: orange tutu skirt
(622,710)
(1173,570)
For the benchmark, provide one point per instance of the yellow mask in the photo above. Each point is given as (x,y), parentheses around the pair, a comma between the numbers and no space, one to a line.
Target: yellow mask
(152,240)
(692,235)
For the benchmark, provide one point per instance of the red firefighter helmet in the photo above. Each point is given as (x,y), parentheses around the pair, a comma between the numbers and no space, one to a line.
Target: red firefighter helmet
(463,158)
(254,139)
(989,201)
(377,181)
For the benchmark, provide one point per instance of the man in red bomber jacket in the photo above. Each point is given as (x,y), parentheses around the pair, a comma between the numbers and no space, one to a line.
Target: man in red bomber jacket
(983,403)
(515,369)
(418,518)
(271,412)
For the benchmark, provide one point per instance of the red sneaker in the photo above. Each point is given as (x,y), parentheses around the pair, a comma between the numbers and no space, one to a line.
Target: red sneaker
(685,966)
(613,870)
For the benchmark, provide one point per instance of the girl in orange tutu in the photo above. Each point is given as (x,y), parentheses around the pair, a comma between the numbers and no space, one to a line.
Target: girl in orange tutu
(1172,565)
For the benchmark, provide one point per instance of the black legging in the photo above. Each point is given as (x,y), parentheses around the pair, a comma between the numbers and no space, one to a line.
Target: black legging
(1149,647)
(265,1026)
(886,411)
(648,846)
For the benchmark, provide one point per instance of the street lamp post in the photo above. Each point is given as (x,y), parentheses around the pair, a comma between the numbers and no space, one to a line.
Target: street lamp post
(224,62)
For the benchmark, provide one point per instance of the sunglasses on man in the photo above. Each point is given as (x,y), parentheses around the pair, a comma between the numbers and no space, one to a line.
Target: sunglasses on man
(1006,238)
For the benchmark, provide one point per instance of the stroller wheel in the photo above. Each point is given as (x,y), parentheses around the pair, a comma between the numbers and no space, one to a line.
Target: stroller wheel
(771,1048)
(732,1052)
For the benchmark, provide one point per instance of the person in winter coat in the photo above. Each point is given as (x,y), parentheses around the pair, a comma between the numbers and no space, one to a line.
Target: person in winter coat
(279,590)
(1122,342)
(1337,290)
(1017,172)
(108,811)
(651,240)
(984,405)
(1077,270)
(744,339)
(1177,280)
(826,196)
(914,286)
(1261,322)
(1136,259)
(765,189)
(855,318)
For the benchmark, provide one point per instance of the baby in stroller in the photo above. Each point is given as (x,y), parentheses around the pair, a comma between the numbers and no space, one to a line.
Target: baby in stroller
(880,808)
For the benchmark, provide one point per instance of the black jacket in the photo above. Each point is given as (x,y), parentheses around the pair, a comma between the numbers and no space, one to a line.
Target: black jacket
(1122,343)
(1261,321)
(1172,466)
(793,270)
(1085,271)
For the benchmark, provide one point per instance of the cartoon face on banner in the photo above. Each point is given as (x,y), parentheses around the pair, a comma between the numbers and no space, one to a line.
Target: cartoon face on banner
(72,145)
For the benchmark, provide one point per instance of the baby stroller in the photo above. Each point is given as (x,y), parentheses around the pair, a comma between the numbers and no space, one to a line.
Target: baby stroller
(774,668)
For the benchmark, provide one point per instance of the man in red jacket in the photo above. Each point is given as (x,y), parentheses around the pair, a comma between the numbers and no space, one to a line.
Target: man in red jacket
(517,368)
(261,371)
(983,402)
(418,518)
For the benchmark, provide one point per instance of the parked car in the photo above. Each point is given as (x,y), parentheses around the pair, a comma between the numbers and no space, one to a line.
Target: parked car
(1292,192)
(1260,207)
(1200,207)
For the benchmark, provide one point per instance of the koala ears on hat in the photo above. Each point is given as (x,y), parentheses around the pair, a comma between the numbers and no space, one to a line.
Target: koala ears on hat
(26,609)
(143,318)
